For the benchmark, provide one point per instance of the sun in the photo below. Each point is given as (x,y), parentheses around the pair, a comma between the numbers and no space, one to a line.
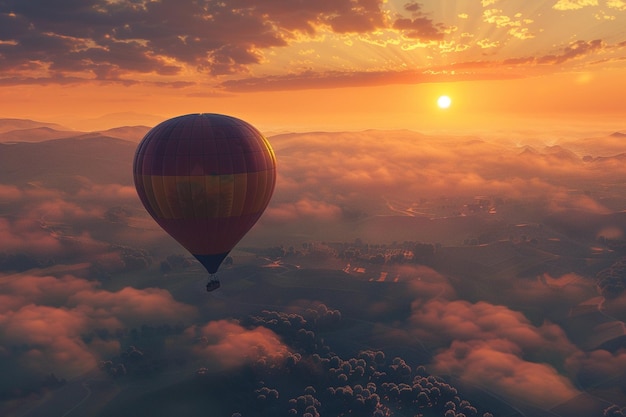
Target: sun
(444,102)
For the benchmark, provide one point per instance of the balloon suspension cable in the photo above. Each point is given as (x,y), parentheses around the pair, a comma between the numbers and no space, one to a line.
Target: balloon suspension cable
(213,283)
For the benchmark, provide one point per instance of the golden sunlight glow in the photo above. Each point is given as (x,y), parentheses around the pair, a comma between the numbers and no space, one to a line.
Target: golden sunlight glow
(444,102)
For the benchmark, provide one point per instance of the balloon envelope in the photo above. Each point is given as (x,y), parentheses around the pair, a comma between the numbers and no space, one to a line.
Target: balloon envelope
(206,179)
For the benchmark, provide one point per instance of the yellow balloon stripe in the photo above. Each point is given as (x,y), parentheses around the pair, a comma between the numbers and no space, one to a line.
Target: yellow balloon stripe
(207,196)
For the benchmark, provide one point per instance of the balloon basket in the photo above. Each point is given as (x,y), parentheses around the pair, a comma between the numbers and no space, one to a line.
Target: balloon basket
(213,283)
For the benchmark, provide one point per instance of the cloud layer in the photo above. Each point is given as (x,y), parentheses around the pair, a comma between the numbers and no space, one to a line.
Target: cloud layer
(225,344)
(44,321)
(108,40)
(160,41)
(328,178)
(60,237)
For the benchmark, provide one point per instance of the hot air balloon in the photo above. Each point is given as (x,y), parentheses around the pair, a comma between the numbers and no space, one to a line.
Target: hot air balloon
(205,179)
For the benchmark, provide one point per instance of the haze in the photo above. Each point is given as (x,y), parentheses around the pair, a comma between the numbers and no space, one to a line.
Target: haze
(413,261)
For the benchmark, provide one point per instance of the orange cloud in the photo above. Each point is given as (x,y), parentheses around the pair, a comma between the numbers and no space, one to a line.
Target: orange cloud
(27,235)
(108,192)
(302,209)
(597,366)
(43,320)
(52,337)
(557,292)
(229,345)
(132,306)
(9,193)
(25,288)
(562,201)
(426,283)
(497,348)
(49,224)
(464,321)
(497,367)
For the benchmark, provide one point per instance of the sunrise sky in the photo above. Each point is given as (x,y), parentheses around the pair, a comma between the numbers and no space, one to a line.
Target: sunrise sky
(414,258)
(340,64)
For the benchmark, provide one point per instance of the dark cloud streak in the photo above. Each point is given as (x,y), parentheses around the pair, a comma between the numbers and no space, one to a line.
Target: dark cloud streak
(420,28)
(339,79)
(73,41)
(103,40)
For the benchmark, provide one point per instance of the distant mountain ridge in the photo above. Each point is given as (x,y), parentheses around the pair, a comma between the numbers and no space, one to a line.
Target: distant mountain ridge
(7,124)
(35,134)
(131,133)
(17,130)
(114,120)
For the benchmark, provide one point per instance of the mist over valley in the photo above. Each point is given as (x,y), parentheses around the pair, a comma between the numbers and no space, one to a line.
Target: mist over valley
(393,273)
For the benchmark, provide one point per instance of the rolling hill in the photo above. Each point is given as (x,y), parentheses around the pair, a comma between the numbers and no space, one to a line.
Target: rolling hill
(60,163)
